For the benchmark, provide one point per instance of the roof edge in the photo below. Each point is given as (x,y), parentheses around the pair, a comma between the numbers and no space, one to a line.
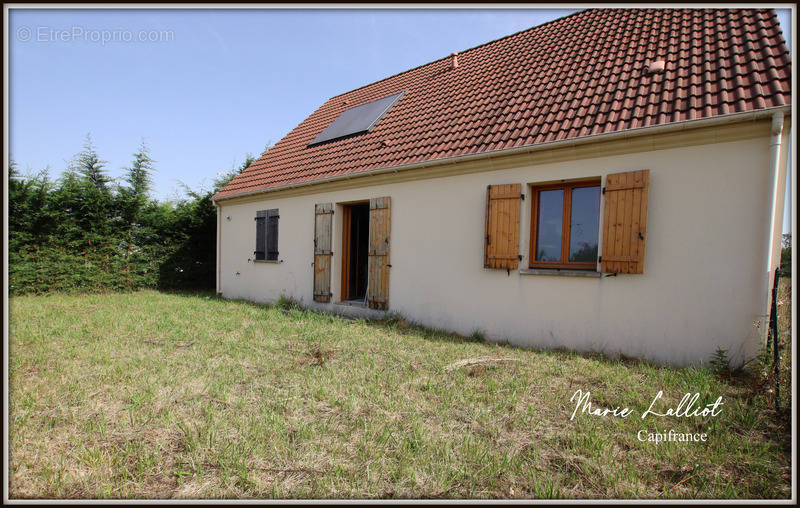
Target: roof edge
(592,138)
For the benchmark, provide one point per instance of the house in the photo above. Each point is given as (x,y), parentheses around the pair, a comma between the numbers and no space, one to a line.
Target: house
(610,181)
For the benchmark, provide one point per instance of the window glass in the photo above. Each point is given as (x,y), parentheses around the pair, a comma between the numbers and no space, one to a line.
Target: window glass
(551,209)
(584,224)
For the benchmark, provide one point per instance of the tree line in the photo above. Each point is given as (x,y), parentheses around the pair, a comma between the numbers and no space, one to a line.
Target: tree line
(87,232)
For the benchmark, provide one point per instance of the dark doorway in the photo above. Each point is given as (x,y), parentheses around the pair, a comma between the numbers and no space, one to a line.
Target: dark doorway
(355,241)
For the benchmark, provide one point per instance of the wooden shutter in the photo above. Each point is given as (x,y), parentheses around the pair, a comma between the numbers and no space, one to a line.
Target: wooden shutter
(379,228)
(625,222)
(501,243)
(272,234)
(322,251)
(261,235)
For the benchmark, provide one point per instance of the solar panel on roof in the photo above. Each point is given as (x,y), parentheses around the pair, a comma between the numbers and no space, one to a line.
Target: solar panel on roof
(357,119)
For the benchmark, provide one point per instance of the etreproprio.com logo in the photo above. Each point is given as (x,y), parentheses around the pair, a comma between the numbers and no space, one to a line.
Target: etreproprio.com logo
(100,36)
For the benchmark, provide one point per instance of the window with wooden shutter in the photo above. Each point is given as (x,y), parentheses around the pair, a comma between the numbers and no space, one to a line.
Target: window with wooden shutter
(272,235)
(267,235)
(501,243)
(625,222)
(322,251)
(379,233)
(261,235)
(565,225)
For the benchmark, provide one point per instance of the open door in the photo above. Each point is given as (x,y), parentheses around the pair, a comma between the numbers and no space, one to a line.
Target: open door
(355,247)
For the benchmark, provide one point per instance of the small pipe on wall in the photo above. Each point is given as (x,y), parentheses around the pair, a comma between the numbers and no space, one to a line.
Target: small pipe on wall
(775,212)
(775,171)
(219,248)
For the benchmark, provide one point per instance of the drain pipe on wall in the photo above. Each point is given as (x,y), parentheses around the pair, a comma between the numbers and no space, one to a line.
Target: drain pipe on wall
(777,175)
(219,247)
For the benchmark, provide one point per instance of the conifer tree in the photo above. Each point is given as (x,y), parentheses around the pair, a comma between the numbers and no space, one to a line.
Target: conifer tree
(89,197)
(89,165)
(135,197)
(138,174)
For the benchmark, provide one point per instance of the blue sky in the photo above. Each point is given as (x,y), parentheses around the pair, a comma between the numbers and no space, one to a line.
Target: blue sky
(214,84)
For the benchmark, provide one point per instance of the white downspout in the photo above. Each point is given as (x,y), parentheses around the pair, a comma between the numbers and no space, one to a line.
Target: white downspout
(219,246)
(775,202)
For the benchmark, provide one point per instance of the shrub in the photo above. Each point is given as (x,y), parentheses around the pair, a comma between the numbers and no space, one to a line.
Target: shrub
(720,363)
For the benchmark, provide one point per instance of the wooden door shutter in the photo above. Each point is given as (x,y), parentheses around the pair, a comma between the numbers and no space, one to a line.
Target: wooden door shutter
(501,243)
(272,234)
(261,235)
(625,222)
(379,228)
(323,223)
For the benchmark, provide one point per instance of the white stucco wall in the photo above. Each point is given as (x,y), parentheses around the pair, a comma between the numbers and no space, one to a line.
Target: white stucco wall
(704,263)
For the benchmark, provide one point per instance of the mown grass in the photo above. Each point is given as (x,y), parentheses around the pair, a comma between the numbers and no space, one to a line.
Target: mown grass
(156,395)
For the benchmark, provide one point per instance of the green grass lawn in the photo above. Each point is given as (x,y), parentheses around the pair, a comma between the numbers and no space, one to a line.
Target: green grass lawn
(189,396)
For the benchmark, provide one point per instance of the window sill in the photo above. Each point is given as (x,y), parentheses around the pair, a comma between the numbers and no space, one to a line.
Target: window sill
(275,262)
(352,303)
(560,272)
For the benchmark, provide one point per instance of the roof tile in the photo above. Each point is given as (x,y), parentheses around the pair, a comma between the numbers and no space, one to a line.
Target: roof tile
(580,75)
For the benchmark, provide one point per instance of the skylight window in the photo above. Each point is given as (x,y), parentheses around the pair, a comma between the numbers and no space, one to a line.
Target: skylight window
(356,120)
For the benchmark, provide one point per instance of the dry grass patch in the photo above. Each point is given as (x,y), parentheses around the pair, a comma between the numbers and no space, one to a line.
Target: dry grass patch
(152,395)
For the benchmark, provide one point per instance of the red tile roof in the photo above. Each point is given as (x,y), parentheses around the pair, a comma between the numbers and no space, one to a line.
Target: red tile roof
(583,74)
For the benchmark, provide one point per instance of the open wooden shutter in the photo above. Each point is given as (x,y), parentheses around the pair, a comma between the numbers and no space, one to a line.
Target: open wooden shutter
(272,234)
(625,222)
(322,251)
(501,243)
(261,235)
(379,227)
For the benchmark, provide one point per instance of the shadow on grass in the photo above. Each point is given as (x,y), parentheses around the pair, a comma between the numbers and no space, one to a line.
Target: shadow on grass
(192,293)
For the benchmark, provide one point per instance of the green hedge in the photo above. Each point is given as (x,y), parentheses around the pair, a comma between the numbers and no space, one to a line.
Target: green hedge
(85,233)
